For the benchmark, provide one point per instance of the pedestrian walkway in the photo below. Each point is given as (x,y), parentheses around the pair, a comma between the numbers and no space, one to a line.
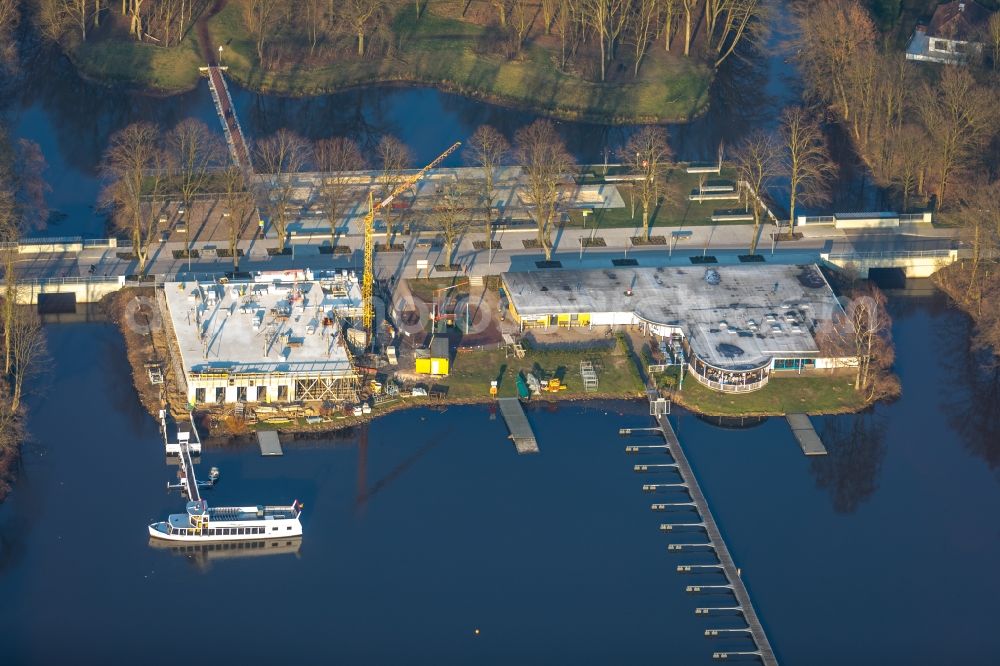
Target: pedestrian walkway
(230,123)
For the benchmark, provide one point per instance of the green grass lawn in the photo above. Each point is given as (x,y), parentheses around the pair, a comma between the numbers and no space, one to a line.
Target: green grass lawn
(433,50)
(424,288)
(472,371)
(783,395)
(441,51)
(123,61)
(677,211)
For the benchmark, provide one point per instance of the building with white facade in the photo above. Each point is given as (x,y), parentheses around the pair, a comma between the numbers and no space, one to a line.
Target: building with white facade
(739,323)
(955,33)
(277,338)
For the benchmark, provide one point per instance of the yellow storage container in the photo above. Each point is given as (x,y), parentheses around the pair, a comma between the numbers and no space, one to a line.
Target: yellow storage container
(423,365)
(435,360)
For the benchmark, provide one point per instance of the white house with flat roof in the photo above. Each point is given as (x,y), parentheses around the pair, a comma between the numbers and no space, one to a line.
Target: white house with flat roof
(277,338)
(739,323)
(955,32)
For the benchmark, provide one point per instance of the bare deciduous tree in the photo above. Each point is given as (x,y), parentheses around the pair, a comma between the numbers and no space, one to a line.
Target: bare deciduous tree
(805,158)
(546,162)
(689,6)
(733,22)
(501,7)
(862,331)
(958,114)
(756,160)
(993,32)
(648,155)
(133,168)
(488,149)
(10,16)
(280,155)
(979,216)
(607,18)
(643,28)
(240,206)
(262,17)
(833,34)
(9,233)
(360,15)
(27,347)
(911,155)
(394,158)
(192,151)
(454,215)
(22,207)
(522,16)
(57,17)
(338,158)
(669,14)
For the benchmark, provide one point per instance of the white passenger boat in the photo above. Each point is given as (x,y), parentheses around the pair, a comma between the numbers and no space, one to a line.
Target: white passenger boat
(202,523)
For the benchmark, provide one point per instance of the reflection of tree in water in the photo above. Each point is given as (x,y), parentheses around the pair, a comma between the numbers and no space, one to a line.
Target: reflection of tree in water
(856,448)
(971,399)
(737,103)
(82,115)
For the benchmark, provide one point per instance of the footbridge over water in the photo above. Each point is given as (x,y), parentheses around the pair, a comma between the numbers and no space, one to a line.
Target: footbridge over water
(238,147)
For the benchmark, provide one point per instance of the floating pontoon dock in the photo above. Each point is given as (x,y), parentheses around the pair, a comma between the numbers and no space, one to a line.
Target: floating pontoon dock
(270,445)
(517,423)
(806,435)
(713,541)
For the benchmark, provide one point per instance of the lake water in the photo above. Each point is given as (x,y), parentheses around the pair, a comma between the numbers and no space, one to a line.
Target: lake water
(427,526)
(879,553)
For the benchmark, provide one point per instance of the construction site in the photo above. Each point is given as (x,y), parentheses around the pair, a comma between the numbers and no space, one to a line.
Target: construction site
(281,337)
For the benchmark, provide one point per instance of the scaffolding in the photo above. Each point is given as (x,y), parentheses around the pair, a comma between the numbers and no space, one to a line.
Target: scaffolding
(334,388)
(589,376)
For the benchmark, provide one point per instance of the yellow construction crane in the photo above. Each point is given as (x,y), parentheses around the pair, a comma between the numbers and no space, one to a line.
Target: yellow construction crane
(368,279)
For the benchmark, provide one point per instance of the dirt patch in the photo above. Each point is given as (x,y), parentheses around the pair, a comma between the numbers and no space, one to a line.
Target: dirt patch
(148,345)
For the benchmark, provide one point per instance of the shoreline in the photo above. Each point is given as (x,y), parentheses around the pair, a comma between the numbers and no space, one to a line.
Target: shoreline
(145,346)
(448,87)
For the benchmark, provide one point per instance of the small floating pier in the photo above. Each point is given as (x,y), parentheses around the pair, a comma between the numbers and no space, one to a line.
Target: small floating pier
(517,423)
(269,443)
(712,541)
(805,433)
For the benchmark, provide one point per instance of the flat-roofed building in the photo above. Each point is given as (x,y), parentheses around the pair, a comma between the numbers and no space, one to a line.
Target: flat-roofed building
(277,338)
(738,323)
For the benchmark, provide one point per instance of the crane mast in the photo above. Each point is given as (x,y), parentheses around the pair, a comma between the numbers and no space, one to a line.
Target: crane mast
(368,278)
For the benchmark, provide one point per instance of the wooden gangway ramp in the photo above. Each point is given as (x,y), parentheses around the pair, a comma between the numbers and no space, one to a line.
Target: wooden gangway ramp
(188,479)
(517,423)
(806,435)
(718,544)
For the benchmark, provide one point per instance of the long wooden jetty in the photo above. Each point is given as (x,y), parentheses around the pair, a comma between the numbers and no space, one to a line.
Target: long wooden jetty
(517,423)
(718,545)
(805,433)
